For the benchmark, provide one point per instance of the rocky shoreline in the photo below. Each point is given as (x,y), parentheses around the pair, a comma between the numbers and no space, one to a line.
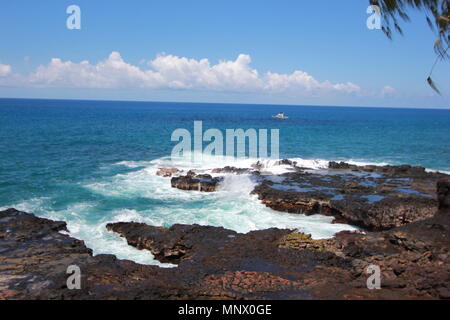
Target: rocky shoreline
(405,231)
(370,197)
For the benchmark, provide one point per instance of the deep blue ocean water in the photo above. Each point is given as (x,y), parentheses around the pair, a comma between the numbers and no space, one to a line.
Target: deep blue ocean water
(90,162)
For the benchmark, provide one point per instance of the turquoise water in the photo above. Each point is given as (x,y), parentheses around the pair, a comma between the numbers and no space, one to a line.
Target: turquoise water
(92,162)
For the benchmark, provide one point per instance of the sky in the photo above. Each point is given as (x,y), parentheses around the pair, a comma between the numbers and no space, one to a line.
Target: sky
(298,52)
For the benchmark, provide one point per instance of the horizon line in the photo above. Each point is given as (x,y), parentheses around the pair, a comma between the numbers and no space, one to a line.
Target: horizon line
(225,103)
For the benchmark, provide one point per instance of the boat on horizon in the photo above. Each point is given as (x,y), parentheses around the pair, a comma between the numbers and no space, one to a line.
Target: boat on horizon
(280,115)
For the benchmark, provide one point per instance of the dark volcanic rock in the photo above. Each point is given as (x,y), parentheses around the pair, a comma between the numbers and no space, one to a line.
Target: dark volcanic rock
(174,244)
(390,211)
(414,260)
(406,170)
(215,263)
(287,162)
(385,214)
(197,182)
(443,192)
(340,165)
(234,170)
(375,198)
(34,257)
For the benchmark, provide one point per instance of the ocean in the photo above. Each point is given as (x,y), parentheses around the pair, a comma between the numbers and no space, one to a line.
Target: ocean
(93,162)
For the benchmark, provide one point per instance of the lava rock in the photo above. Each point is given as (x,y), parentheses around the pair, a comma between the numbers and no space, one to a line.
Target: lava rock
(215,263)
(371,197)
(234,170)
(196,182)
(443,191)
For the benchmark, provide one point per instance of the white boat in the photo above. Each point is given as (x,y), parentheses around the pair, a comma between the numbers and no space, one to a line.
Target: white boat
(281,115)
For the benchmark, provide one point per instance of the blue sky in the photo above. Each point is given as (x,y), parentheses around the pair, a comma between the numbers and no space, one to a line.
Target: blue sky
(291,51)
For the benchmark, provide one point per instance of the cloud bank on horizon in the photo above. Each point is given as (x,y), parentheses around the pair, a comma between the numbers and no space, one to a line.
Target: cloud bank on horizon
(173,72)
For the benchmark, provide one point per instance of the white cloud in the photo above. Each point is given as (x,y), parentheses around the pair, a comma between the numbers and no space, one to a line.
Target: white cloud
(302,80)
(5,70)
(387,90)
(169,71)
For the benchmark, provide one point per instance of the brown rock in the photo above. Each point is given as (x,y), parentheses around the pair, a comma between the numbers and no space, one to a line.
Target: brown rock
(371,197)
(215,263)
(167,172)
(196,182)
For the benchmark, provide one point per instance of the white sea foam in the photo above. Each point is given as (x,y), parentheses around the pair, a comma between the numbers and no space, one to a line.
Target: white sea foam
(208,162)
(232,207)
(366,163)
(437,171)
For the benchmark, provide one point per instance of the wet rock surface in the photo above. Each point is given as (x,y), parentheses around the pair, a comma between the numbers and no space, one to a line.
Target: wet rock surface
(175,244)
(233,170)
(196,182)
(34,257)
(371,197)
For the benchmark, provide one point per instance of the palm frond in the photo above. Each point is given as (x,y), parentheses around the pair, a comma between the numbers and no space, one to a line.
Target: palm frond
(433,85)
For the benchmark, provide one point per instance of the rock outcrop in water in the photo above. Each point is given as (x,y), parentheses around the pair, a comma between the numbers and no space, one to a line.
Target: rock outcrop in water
(233,170)
(371,197)
(406,170)
(175,244)
(196,182)
(375,198)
